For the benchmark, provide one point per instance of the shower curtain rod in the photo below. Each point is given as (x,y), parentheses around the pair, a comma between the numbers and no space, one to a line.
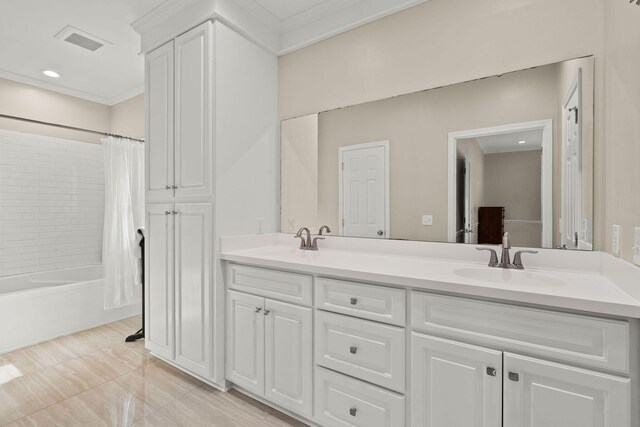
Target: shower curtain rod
(24,119)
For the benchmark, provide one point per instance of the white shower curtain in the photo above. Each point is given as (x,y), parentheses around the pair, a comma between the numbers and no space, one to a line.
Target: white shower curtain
(123,216)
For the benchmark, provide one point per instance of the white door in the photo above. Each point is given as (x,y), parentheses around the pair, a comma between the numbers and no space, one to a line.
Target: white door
(193,112)
(159,286)
(159,124)
(245,341)
(364,190)
(193,285)
(572,167)
(467,202)
(544,394)
(454,384)
(288,356)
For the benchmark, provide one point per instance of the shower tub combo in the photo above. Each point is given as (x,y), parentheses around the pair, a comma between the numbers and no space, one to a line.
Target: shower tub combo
(37,307)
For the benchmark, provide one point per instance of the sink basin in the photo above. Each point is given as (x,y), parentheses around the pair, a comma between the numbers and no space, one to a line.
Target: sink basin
(509,277)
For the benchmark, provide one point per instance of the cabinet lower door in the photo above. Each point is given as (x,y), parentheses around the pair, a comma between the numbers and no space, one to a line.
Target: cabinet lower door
(193,286)
(159,285)
(245,341)
(544,394)
(454,384)
(288,356)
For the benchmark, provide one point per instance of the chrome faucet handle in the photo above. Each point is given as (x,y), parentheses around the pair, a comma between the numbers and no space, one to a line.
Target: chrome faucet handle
(493,260)
(517,258)
(303,244)
(314,243)
(324,227)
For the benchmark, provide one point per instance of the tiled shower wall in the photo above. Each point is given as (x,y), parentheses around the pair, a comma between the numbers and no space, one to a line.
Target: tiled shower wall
(51,203)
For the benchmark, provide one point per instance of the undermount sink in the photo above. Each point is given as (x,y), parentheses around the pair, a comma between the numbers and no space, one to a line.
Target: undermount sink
(509,277)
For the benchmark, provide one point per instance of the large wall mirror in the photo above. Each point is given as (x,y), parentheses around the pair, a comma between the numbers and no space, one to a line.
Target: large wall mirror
(462,163)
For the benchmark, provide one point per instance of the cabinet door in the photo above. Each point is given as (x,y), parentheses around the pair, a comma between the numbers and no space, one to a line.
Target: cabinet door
(159,286)
(544,394)
(454,384)
(288,356)
(193,112)
(245,341)
(159,123)
(193,285)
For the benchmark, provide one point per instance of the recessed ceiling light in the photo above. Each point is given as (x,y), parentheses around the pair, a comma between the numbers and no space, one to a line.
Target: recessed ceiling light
(51,73)
(522,142)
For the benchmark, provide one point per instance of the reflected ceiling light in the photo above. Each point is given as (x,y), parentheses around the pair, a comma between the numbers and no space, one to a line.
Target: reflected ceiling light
(51,73)
(522,142)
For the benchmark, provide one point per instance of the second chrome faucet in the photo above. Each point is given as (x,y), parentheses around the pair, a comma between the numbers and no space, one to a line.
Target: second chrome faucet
(505,259)
(306,242)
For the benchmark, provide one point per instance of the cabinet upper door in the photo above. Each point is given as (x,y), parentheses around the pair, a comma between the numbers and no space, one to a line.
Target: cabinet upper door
(454,384)
(159,286)
(193,284)
(289,356)
(245,341)
(159,123)
(538,393)
(194,112)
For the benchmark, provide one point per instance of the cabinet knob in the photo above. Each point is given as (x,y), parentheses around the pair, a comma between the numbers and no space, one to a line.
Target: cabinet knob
(175,212)
(513,376)
(167,213)
(353,411)
(167,187)
(174,187)
(266,312)
(380,232)
(354,301)
(491,372)
(353,349)
(258,309)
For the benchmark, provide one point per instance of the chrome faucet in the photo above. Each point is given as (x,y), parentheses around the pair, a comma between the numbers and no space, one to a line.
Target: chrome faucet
(307,243)
(324,227)
(505,261)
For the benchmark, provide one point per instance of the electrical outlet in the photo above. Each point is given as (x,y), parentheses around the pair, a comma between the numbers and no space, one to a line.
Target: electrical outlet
(427,219)
(260,225)
(615,239)
(636,246)
(292,224)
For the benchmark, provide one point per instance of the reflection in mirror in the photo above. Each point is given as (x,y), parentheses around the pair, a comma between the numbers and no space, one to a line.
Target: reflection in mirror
(450,164)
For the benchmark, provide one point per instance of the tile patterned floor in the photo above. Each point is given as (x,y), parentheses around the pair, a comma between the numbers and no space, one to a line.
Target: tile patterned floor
(93,378)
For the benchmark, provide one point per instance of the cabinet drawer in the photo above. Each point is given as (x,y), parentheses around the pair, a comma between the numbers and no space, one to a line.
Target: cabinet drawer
(274,284)
(361,348)
(344,401)
(367,301)
(585,340)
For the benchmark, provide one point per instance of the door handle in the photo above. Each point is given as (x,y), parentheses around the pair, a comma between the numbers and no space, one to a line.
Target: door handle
(380,232)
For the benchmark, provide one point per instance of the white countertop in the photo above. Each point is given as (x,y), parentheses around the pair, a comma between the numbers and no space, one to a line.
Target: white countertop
(587,281)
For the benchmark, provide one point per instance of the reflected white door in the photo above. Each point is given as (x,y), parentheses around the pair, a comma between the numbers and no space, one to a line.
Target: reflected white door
(364,210)
(467,202)
(571,167)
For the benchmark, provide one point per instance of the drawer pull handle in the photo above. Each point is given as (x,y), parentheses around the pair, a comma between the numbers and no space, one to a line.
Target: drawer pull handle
(491,372)
(266,312)
(354,301)
(513,376)
(353,349)
(258,309)
(352,412)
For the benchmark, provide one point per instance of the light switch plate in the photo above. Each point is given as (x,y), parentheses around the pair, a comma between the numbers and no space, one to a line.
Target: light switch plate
(427,219)
(615,239)
(292,223)
(260,225)
(636,245)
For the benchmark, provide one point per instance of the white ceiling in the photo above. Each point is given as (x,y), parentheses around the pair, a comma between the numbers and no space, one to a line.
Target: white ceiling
(115,72)
(508,142)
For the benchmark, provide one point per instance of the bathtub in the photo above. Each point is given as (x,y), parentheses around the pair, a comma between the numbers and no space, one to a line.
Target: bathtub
(41,306)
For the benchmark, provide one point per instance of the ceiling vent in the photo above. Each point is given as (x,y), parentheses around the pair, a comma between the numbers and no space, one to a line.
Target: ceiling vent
(81,38)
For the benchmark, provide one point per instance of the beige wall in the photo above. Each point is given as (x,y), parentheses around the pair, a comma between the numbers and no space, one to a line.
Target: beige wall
(22,100)
(447,41)
(127,117)
(622,105)
(417,126)
(520,193)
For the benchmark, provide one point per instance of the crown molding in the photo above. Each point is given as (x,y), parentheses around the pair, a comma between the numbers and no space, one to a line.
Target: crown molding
(125,96)
(159,15)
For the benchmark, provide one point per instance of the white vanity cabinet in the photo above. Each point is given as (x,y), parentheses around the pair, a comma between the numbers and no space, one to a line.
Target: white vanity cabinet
(178,291)
(456,383)
(269,342)
(179,116)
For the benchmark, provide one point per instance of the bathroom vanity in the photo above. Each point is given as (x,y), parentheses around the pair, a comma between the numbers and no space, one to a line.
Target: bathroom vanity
(391,333)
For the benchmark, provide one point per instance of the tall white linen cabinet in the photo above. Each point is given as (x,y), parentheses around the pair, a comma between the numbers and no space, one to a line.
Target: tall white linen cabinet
(211,170)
